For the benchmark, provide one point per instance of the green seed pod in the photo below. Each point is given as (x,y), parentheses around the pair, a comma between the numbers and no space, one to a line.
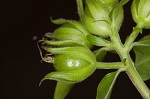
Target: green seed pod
(70,33)
(141,13)
(96,19)
(72,64)
(100,19)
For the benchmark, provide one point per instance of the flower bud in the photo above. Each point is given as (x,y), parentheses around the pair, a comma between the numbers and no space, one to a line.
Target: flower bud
(72,64)
(141,13)
(70,33)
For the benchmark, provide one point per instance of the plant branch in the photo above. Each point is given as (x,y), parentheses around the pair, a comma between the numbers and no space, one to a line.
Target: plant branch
(138,82)
(123,52)
(112,65)
(132,37)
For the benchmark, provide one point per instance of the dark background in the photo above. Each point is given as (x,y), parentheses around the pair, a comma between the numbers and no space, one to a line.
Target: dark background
(21,67)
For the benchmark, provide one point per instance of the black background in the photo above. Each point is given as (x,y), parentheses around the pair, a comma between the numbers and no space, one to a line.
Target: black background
(21,68)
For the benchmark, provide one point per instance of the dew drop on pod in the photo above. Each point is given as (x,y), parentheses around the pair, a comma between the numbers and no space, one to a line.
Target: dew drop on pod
(72,64)
(141,13)
(68,34)
(97,17)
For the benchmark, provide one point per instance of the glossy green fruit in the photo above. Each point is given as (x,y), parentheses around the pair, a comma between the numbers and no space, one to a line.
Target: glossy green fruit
(141,13)
(72,64)
(73,58)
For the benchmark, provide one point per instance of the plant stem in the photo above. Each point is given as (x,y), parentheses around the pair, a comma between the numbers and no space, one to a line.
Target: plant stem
(132,37)
(111,65)
(123,52)
(80,8)
(138,82)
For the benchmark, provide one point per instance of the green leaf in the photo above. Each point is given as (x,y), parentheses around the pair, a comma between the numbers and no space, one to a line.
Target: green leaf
(76,24)
(62,89)
(100,54)
(105,86)
(98,41)
(145,41)
(142,61)
(116,14)
(63,43)
(73,76)
(59,21)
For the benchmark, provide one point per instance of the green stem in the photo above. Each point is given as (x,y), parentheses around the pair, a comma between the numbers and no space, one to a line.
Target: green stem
(80,8)
(112,65)
(138,82)
(123,52)
(132,37)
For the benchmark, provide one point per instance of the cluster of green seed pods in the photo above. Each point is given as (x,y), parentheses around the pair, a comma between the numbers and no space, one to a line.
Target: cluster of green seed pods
(70,44)
(70,49)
